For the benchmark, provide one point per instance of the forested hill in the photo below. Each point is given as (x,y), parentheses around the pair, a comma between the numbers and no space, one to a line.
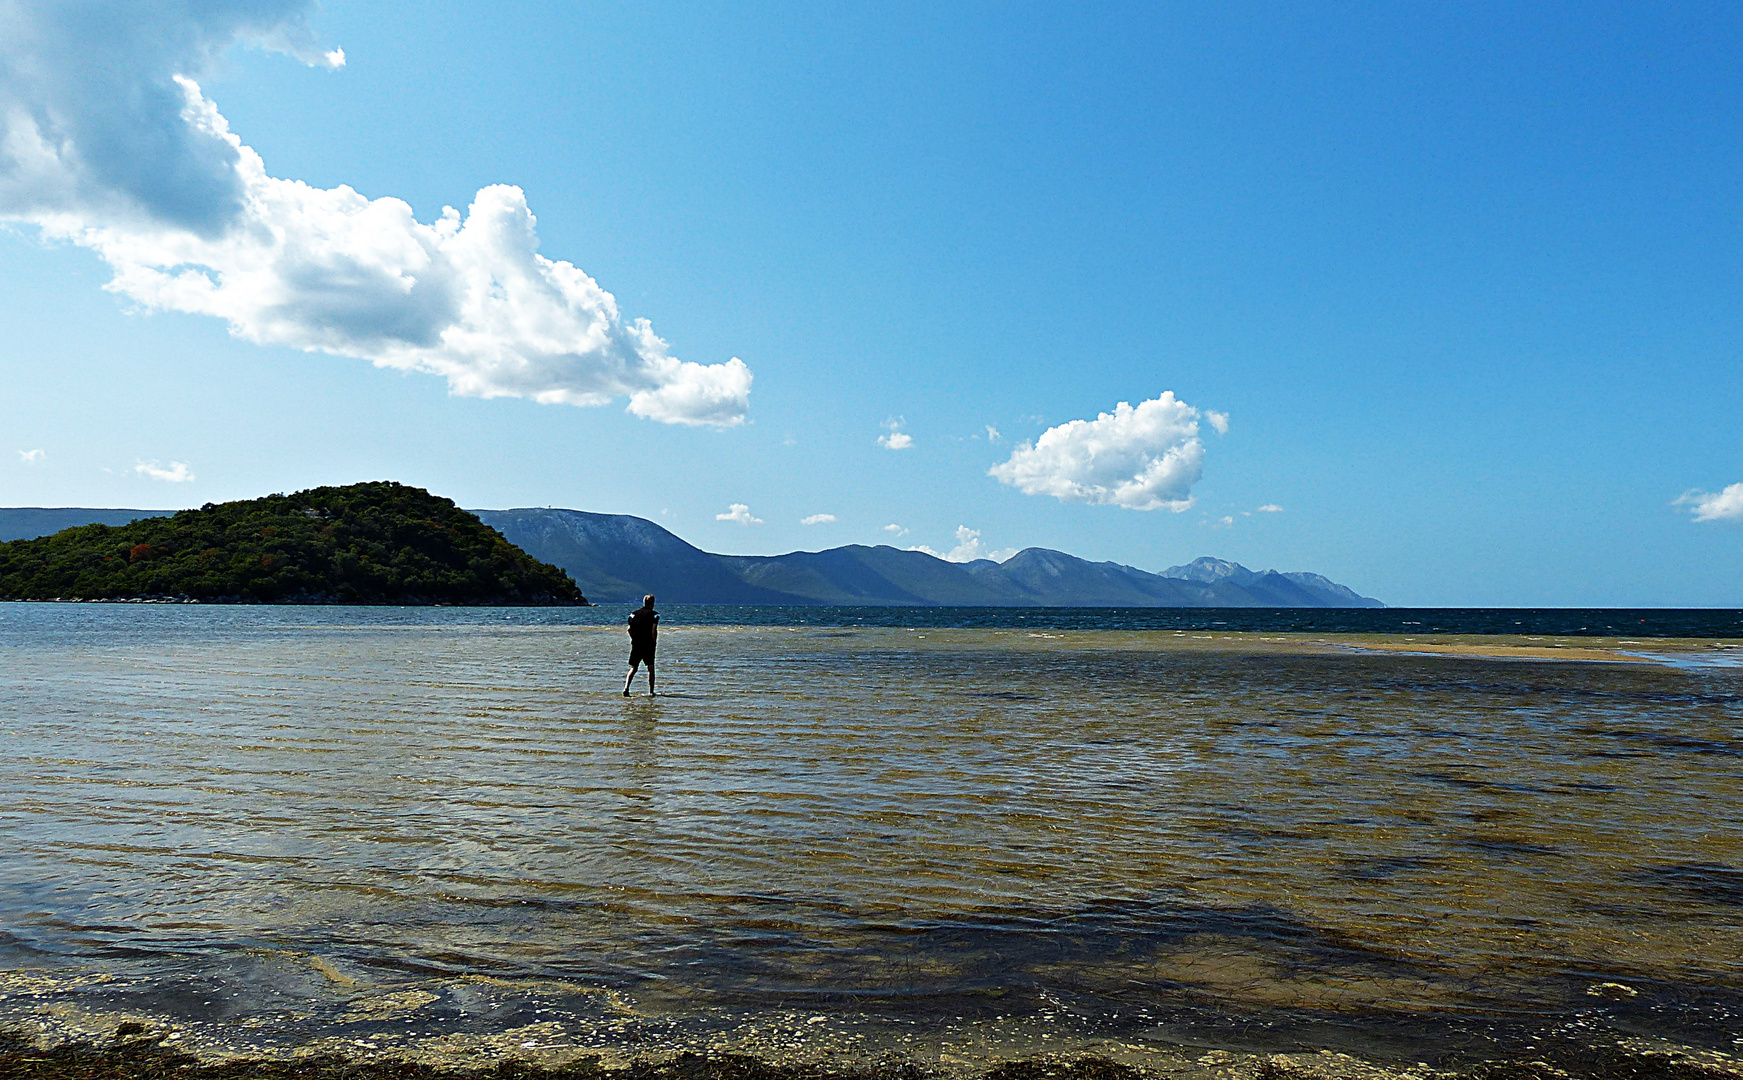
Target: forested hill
(373,543)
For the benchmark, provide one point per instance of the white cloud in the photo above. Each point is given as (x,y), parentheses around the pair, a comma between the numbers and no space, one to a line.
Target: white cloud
(1270,508)
(1726,505)
(740,513)
(817,519)
(895,438)
(1217,420)
(968,548)
(30,457)
(107,142)
(992,434)
(176,473)
(895,530)
(1143,458)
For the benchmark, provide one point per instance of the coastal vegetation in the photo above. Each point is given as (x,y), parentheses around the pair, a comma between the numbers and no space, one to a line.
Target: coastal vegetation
(369,543)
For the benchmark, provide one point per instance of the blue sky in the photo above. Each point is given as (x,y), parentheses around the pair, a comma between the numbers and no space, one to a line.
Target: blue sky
(1464,282)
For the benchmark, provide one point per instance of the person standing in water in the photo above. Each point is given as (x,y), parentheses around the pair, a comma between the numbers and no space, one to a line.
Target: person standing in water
(644,635)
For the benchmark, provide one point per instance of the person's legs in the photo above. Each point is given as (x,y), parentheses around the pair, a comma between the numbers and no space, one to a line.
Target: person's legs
(627,679)
(650,676)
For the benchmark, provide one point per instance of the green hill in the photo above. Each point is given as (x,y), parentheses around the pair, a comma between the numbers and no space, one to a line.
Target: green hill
(375,543)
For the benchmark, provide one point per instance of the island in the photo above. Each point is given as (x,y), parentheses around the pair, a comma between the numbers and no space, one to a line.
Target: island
(370,543)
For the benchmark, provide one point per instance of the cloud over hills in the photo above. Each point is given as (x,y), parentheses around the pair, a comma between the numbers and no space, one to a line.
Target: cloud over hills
(968,548)
(1145,457)
(106,141)
(176,472)
(740,514)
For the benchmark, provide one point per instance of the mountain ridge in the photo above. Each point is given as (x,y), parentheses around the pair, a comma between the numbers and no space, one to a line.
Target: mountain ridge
(618,557)
(30,522)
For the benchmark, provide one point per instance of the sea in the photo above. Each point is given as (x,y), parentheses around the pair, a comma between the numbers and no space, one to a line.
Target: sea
(940,838)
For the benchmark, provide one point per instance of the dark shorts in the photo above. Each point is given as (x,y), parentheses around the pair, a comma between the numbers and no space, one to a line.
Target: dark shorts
(640,654)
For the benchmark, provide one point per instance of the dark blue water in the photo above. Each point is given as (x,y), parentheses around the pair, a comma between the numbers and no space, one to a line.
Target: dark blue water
(1549,622)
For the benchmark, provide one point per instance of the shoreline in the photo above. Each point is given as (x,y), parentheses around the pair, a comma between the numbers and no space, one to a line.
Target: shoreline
(135,1054)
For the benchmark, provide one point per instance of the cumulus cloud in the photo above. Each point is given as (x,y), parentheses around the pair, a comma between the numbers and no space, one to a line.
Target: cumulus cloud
(1217,420)
(30,456)
(817,519)
(176,473)
(968,548)
(106,141)
(992,434)
(1270,508)
(894,438)
(1726,505)
(740,513)
(895,530)
(1142,458)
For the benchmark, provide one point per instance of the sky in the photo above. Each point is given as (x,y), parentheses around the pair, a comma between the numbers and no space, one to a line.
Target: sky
(1439,301)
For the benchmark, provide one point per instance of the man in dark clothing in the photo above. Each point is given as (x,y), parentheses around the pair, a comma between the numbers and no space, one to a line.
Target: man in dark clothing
(644,635)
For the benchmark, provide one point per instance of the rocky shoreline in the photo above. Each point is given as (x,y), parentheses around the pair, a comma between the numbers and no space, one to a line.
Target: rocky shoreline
(134,1053)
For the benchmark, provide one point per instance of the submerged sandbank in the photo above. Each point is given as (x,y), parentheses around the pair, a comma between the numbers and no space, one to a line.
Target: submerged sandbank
(1674,652)
(1511,650)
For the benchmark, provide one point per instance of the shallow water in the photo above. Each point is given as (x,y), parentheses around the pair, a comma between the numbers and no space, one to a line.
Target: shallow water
(422,832)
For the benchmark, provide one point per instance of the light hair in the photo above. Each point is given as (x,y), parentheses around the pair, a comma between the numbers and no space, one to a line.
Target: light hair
(648,600)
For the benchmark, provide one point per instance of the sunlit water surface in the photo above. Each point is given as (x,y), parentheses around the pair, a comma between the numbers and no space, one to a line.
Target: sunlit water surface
(421,832)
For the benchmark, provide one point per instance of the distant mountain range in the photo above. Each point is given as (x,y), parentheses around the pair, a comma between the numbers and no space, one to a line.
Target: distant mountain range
(30,522)
(617,558)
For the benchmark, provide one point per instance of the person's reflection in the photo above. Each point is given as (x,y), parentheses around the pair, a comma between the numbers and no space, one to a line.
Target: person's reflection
(641,739)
